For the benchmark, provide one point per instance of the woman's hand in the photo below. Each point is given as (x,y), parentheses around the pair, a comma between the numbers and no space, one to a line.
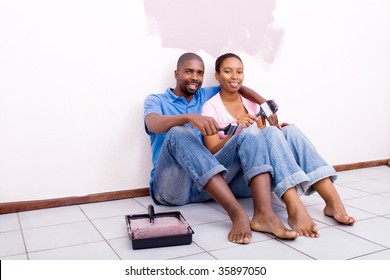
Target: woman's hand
(246,120)
(283,124)
(261,123)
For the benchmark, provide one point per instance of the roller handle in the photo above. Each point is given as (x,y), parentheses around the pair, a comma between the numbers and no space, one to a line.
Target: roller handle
(151,213)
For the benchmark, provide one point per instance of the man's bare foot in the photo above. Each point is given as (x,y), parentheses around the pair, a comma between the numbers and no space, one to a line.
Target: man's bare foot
(241,232)
(272,224)
(300,220)
(337,211)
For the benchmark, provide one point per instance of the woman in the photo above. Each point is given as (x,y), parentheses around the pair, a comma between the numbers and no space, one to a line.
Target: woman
(298,168)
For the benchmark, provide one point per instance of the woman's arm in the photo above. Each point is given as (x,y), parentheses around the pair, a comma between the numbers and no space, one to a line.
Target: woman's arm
(214,144)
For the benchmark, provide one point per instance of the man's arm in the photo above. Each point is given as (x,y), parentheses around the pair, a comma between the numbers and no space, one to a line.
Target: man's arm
(252,95)
(257,98)
(157,123)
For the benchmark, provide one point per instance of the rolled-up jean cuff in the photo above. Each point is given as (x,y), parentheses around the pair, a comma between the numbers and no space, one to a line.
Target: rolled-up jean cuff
(210,174)
(256,170)
(323,172)
(299,180)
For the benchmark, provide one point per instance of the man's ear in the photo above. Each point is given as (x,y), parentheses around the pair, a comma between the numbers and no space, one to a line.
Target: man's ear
(176,73)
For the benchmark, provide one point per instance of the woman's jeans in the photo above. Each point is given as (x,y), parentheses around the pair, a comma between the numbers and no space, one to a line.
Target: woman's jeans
(295,161)
(185,165)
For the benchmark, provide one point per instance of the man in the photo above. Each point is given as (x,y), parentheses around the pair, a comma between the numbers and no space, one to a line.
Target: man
(184,171)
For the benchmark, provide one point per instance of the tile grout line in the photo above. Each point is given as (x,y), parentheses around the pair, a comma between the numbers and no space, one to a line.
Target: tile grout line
(22,233)
(105,240)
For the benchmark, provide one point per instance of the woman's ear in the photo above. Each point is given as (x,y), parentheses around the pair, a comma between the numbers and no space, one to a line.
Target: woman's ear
(217,76)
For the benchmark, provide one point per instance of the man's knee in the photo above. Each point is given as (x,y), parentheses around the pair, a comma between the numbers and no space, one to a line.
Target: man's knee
(180,132)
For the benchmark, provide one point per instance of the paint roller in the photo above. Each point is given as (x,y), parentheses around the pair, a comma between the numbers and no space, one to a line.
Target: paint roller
(156,226)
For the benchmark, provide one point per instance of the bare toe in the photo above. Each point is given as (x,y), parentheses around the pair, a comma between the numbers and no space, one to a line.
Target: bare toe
(304,226)
(272,224)
(343,219)
(241,238)
(241,232)
(339,214)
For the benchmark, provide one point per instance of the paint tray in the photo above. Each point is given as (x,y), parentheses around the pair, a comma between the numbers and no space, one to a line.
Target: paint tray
(158,229)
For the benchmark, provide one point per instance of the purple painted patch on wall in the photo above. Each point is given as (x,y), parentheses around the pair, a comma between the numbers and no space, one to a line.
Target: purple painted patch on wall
(216,26)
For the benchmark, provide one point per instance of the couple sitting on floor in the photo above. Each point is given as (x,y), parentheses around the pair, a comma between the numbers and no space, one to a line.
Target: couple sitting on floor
(194,161)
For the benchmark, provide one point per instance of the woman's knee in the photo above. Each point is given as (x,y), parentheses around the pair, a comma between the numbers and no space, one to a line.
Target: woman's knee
(272,132)
(253,137)
(251,132)
(291,130)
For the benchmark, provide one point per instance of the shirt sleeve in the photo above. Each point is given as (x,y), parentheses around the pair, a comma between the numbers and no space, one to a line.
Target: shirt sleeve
(210,92)
(152,104)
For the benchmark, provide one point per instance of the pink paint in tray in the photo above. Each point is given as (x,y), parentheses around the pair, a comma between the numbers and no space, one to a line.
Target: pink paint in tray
(158,229)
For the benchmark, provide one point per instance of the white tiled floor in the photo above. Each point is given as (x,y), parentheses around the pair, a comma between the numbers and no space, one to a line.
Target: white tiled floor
(98,231)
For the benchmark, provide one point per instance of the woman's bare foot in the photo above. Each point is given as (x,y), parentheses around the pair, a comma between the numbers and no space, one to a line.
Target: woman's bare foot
(334,206)
(241,232)
(300,220)
(272,224)
(298,217)
(337,211)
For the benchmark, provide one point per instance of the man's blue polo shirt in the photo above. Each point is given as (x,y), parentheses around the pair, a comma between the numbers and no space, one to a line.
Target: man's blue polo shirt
(170,104)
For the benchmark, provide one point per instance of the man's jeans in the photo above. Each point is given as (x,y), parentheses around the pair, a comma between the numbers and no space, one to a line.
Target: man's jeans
(185,165)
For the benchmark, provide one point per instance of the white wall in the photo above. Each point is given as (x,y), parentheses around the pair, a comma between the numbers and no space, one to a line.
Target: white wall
(74,74)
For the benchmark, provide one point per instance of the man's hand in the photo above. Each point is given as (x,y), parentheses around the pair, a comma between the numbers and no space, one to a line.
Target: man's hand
(206,125)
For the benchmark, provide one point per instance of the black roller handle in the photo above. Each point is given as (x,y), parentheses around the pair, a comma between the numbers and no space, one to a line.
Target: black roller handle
(151,213)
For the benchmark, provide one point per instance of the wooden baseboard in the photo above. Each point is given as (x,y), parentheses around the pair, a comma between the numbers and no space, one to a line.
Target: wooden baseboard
(13,207)
(358,165)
